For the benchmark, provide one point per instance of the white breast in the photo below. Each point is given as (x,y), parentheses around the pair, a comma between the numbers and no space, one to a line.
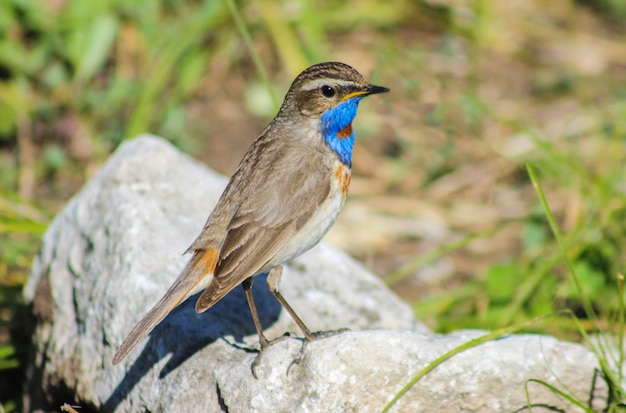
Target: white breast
(319,223)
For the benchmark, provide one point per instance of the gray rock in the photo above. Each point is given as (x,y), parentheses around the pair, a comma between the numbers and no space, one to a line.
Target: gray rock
(363,371)
(116,247)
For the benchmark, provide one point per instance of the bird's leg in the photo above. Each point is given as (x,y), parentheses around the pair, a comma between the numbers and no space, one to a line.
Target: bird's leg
(247,288)
(263,341)
(273,279)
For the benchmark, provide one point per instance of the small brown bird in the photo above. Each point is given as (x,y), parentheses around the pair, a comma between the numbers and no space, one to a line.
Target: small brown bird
(284,196)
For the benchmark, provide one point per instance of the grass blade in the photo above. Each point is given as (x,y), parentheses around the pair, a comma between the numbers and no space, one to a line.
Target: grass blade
(247,39)
(557,391)
(448,355)
(559,238)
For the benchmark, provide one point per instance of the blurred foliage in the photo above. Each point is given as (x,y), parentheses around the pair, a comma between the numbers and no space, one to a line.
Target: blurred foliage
(535,282)
(21,227)
(98,68)
(479,89)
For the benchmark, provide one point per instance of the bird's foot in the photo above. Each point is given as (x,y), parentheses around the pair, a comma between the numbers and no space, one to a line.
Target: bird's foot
(264,345)
(317,335)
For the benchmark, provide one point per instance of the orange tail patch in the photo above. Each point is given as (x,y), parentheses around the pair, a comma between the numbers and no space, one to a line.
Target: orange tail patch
(201,265)
(208,260)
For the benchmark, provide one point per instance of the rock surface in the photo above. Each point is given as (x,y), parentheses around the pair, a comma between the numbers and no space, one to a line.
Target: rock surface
(116,247)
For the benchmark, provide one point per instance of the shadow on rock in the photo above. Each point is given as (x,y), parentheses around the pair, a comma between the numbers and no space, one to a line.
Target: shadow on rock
(184,332)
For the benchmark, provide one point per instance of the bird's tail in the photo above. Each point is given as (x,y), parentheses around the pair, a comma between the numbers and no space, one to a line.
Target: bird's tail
(196,276)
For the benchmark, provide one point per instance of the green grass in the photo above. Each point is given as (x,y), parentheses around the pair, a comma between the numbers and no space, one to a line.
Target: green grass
(21,226)
(610,358)
(535,282)
(612,368)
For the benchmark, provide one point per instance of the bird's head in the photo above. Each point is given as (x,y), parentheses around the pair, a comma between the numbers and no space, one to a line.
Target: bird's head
(325,86)
(327,96)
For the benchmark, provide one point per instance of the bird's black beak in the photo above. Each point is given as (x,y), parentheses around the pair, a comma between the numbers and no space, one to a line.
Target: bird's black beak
(369,90)
(373,89)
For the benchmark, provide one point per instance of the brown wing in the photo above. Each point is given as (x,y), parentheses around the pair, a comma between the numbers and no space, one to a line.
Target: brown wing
(284,188)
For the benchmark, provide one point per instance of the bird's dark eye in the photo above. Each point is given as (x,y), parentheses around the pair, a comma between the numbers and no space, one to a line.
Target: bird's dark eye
(327,91)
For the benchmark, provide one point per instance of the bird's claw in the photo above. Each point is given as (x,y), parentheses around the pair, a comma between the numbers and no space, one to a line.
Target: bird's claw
(325,334)
(317,335)
(265,345)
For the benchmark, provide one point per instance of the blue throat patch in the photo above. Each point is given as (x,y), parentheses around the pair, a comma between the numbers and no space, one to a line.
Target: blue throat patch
(337,130)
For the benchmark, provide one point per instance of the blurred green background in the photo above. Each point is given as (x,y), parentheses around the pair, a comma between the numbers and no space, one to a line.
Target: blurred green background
(440,206)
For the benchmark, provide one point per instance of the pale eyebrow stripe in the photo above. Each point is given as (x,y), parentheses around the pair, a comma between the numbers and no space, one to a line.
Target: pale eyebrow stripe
(330,82)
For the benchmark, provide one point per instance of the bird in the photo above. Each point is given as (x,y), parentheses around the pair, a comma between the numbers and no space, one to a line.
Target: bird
(281,200)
